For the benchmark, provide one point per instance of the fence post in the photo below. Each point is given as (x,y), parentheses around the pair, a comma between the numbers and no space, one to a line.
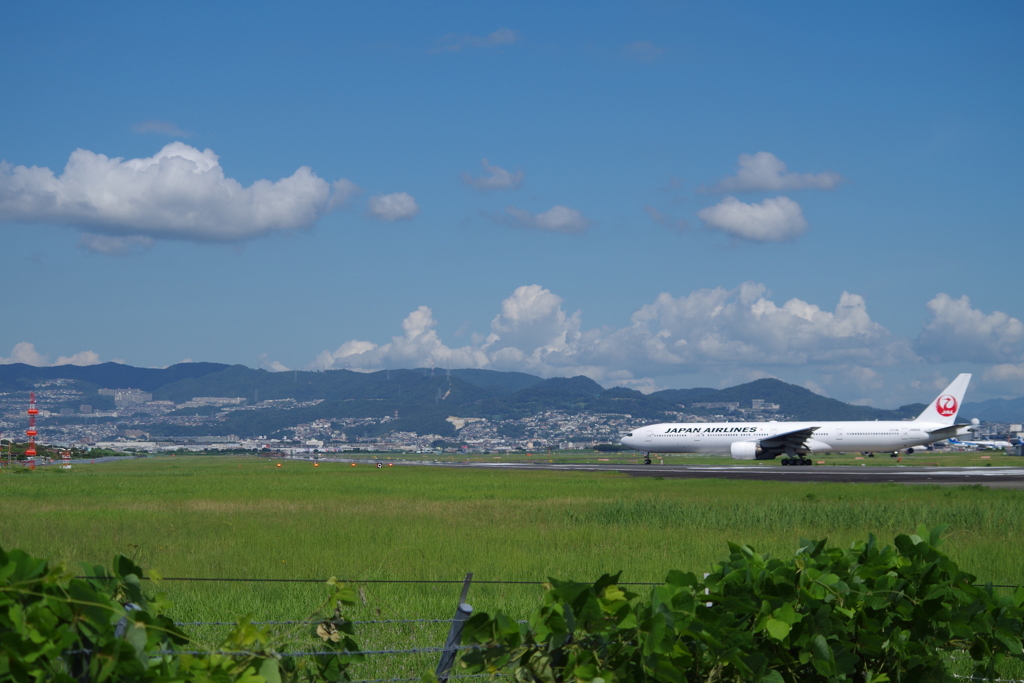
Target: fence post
(462,613)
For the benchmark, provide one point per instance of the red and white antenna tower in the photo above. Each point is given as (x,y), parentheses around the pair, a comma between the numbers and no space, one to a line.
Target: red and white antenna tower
(30,452)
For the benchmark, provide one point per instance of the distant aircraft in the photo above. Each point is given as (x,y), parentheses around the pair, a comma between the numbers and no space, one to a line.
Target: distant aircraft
(981,444)
(795,440)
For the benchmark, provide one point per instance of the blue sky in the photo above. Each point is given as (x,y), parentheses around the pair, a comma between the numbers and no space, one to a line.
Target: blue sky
(674,194)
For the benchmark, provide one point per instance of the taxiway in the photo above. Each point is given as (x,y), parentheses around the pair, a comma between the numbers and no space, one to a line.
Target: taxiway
(993,477)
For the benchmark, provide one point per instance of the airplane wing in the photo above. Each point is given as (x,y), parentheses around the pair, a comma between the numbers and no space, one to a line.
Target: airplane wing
(950,428)
(794,439)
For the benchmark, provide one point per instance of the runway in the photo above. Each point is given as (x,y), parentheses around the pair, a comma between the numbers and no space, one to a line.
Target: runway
(992,477)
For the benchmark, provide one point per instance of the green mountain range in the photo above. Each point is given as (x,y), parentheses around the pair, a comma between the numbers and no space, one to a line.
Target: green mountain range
(421,398)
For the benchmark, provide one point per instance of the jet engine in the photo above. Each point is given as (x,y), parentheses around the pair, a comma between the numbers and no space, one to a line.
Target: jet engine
(745,450)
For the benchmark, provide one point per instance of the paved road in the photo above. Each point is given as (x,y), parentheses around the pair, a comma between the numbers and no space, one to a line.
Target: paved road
(994,477)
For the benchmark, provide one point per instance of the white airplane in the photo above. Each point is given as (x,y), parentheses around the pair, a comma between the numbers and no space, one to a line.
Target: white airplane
(982,444)
(795,440)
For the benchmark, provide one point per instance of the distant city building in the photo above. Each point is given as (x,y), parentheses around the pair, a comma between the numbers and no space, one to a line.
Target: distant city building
(761,404)
(718,404)
(124,446)
(199,440)
(85,408)
(216,401)
(127,397)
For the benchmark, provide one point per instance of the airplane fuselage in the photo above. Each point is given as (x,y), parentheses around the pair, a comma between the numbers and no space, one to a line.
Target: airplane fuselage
(718,437)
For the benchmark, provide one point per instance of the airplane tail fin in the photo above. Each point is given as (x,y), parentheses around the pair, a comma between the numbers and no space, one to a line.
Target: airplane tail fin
(944,408)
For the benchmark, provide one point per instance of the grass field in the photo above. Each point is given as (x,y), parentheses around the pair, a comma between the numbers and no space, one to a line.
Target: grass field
(244,517)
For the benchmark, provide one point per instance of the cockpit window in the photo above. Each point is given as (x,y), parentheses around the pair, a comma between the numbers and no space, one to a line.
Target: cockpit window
(630,434)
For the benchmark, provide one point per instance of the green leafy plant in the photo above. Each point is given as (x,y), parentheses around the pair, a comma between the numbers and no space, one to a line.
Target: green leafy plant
(867,613)
(336,633)
(56,627)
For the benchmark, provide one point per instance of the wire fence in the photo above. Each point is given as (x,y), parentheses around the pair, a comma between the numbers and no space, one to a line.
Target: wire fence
(302,622)
(393,648)
(397,656)
(495,582)
(257,579)
(318,653)
(285,653)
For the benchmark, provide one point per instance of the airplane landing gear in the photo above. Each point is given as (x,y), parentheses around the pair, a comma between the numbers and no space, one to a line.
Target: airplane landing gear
(797,461)
(647,460)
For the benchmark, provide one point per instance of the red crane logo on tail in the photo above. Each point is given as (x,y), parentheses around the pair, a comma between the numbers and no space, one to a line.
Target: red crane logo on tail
(946,405)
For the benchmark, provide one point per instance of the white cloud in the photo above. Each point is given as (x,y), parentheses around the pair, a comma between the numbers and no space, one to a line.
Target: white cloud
(164,128)
(456,43)
(25,352)
(80,358)
(271,365)
(958,332)
(341,191)
(764,172)
(393,207)
(933,384)
(419,346)
(494,178)
(643,51)
(741,331)
(556,219)
(772,220)
(532,331)
(744,326)
(178,193)
(1009,374)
